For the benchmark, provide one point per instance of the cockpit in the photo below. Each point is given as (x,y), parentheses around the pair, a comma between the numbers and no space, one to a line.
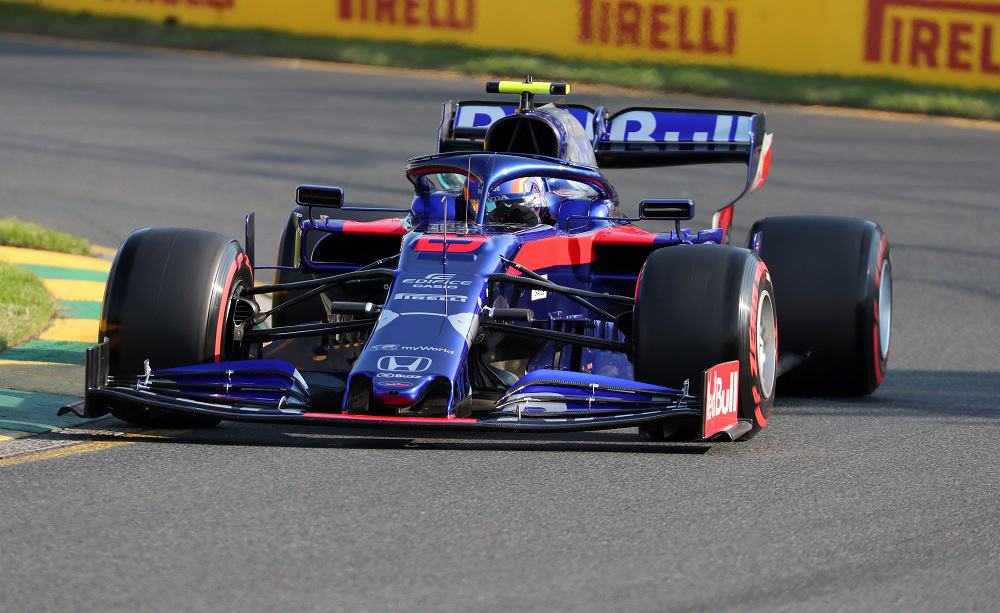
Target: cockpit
(522,202)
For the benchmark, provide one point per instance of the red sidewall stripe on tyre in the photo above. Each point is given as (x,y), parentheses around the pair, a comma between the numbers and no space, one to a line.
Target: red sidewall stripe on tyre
(226,289)
(876,326)
(754,366)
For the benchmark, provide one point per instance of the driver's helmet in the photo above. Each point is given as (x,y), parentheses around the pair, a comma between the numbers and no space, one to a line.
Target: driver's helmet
(520,201)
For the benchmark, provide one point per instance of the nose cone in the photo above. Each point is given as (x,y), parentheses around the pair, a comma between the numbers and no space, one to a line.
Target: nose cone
(415,358)
(429,395)
(401,379)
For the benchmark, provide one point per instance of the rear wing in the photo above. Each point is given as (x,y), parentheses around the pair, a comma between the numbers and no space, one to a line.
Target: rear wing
(637,137)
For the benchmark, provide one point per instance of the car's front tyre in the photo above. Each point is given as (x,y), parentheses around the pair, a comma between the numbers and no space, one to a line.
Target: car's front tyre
(169,300)
(698,306)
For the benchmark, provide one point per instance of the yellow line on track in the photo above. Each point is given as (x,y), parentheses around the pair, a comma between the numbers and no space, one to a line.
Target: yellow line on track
(73,330)
(20,255)
(34,363)
(62,289)
(61,452)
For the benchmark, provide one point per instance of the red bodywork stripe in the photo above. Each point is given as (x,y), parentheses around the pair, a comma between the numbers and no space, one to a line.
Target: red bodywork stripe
(765,168)
(556,251)
(579,249)
(724,219)
(624,235)
(394,401)
(382,227)
(456,243)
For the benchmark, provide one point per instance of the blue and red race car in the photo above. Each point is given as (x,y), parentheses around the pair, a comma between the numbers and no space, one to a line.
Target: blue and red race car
(513,295)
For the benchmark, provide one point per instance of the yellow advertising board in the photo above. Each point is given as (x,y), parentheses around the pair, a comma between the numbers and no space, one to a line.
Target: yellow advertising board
(947,42)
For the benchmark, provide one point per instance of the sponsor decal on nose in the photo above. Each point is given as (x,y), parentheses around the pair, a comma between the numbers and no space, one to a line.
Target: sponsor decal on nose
(437,281)
(432,297)
(425,348)
(399,363)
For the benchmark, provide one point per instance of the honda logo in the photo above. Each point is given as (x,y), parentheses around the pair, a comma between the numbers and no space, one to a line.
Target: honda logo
(397,363)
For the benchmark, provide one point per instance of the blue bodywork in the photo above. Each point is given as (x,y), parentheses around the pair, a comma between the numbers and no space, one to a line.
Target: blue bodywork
(436,356)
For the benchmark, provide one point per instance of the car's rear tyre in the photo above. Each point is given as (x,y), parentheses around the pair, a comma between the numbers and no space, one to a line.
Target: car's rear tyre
(833,286)
(169,300)
(698,306)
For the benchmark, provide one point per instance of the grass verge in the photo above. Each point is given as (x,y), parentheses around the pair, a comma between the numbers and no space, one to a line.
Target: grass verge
(25,306)
(858,92)
(25,234)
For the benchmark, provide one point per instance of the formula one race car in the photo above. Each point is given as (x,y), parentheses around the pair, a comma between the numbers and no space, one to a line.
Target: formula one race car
(514,295)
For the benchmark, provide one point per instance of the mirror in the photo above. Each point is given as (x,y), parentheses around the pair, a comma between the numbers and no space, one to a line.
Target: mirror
(319,195)
(672,209)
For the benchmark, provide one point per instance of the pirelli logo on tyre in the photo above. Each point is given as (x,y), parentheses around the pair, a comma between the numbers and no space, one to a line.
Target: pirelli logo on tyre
(960,36)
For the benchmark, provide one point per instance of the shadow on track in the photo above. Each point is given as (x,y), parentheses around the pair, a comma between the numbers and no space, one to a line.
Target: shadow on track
(912,393)
(265,435)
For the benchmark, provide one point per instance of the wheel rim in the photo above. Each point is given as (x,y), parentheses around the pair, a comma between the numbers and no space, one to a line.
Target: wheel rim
(767,343)
(884,309)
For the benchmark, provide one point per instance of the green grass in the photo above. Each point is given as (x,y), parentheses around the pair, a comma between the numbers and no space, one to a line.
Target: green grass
(25,306)
(25,234)
(871,93)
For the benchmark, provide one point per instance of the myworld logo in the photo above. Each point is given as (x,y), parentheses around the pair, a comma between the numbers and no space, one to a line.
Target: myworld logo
(393,347)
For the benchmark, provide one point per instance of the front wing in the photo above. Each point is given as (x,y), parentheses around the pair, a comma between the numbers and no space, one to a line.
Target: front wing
(271,391)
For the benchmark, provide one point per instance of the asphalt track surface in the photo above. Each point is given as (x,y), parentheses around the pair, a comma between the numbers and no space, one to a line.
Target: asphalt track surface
(889,502)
